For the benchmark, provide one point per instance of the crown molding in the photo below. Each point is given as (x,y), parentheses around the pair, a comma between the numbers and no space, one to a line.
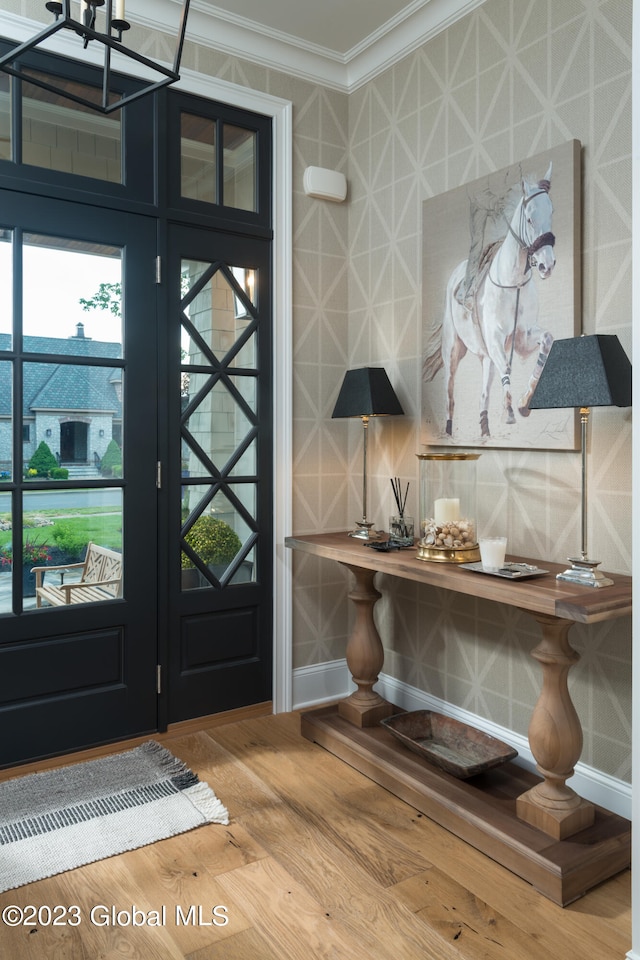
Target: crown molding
(419,22)
(398,38)
(233,35)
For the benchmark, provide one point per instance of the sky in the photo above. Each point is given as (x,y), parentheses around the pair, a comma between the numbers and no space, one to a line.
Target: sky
(54,281)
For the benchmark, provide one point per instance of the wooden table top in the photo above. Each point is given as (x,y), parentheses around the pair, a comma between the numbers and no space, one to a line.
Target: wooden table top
(544,595)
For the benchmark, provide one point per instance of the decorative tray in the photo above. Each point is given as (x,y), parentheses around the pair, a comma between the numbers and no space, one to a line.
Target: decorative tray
(512,571)
(451,745)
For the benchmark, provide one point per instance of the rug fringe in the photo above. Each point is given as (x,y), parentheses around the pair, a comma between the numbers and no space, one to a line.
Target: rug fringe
(176,771)
(205,801)
(83,812)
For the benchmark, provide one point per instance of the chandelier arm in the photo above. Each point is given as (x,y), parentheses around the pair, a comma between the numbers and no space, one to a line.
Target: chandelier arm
(63,20)
(181,35)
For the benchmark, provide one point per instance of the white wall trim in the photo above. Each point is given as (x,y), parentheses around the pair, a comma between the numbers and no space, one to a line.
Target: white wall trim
(412,27)
(382,50)
(320,683)
(330,681)
(238,36)
(634,953)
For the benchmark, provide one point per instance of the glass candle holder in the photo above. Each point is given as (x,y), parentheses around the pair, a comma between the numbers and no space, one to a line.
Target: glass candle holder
(448,528)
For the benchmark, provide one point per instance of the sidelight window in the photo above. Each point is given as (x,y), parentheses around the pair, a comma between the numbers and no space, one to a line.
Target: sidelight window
(220,323)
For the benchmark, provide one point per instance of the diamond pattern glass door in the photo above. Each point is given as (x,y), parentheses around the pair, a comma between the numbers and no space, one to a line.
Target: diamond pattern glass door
(219,425)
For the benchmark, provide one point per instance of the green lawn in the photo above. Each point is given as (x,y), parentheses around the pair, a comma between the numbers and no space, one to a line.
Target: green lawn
(99,524)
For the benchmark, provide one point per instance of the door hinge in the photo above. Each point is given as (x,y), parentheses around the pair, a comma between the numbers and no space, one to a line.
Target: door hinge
(158,679)
(159,475)
(158,269)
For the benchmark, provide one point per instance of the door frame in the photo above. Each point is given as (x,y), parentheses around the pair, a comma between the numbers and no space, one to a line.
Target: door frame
(281,113)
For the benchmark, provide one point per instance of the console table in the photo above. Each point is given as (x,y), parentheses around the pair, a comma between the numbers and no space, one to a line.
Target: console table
(536,826)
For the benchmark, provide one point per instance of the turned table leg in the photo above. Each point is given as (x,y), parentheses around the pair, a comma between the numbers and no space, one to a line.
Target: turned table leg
(365,655)
(555,737)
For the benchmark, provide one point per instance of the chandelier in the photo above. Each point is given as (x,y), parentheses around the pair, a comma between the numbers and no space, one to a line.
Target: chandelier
(88,27)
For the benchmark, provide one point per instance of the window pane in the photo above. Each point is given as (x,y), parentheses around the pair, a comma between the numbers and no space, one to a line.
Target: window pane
(5,553)
(220,425)
(58,527)
(71,297)
(239,167)
(215,538)
(6,421)
(5,118)
(75,419)
(58,134)
(198,158)
(6,289)
(221,314)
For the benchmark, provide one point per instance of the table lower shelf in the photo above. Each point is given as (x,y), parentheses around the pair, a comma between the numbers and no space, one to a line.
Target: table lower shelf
(482,810)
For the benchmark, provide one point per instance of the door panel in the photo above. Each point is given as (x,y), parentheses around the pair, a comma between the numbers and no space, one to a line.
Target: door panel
(77,387)
(220,457)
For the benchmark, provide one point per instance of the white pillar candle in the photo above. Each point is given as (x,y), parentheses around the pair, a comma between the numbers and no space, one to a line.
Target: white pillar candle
(119,9)
(446,509)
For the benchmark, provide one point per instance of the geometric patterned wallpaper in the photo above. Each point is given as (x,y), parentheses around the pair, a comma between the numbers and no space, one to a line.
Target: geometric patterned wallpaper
(508,81)
(511,79)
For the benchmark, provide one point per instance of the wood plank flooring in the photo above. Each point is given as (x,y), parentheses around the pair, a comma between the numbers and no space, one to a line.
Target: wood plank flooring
(317,862)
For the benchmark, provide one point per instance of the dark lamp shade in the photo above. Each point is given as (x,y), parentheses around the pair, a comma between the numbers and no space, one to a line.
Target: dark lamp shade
(366,392)
(589,371)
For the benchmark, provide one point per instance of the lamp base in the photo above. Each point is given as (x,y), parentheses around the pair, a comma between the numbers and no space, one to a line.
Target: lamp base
(365,531)
(584,572)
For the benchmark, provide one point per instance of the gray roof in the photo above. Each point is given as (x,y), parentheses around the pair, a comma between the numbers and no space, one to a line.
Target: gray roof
(63,386)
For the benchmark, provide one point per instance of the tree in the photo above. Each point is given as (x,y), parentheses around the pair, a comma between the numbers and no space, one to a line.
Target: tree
(111,465)
(43,460)
(107,297)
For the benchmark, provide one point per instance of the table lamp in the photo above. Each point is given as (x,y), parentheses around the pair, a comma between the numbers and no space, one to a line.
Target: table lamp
(584,372)
(366,393)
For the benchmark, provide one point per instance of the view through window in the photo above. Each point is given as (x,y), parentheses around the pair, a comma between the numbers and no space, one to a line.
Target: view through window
(63,390)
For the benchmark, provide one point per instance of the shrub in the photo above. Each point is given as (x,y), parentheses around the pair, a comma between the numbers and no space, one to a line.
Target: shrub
(213,540)
(43,461)
(71,543)
(111,465)
(59,473)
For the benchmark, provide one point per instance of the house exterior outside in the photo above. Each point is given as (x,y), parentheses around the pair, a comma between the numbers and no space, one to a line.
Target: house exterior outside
(75,410)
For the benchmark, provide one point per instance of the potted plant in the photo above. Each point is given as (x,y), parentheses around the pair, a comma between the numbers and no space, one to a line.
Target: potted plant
(34,554)
(215,543)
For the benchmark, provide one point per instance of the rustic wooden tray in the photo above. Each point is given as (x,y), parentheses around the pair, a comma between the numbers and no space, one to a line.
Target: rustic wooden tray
(455,747)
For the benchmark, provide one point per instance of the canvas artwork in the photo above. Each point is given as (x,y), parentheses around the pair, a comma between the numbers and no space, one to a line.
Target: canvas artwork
(501,282)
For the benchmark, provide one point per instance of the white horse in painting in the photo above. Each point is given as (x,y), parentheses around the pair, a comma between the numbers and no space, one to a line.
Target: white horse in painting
(501,317)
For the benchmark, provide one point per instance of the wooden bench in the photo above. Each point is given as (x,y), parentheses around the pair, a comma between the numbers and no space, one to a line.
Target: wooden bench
(100,579)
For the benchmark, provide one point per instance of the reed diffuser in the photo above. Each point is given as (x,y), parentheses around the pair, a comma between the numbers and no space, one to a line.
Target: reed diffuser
(400,525)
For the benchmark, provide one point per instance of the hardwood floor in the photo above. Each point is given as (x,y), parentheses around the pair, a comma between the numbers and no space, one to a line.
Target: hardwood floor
(317,862)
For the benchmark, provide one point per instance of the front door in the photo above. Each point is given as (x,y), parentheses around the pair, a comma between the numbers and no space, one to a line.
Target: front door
(73,441)
(135,415)
(78,416)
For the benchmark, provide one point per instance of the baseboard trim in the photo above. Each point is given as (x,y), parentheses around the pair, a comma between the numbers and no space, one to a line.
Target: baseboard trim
(324,682)
(320,683)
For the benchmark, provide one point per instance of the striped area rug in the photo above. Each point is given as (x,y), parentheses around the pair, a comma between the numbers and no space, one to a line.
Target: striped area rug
(60,819)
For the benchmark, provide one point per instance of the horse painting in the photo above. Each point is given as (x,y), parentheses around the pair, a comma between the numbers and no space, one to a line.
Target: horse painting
(498,315)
